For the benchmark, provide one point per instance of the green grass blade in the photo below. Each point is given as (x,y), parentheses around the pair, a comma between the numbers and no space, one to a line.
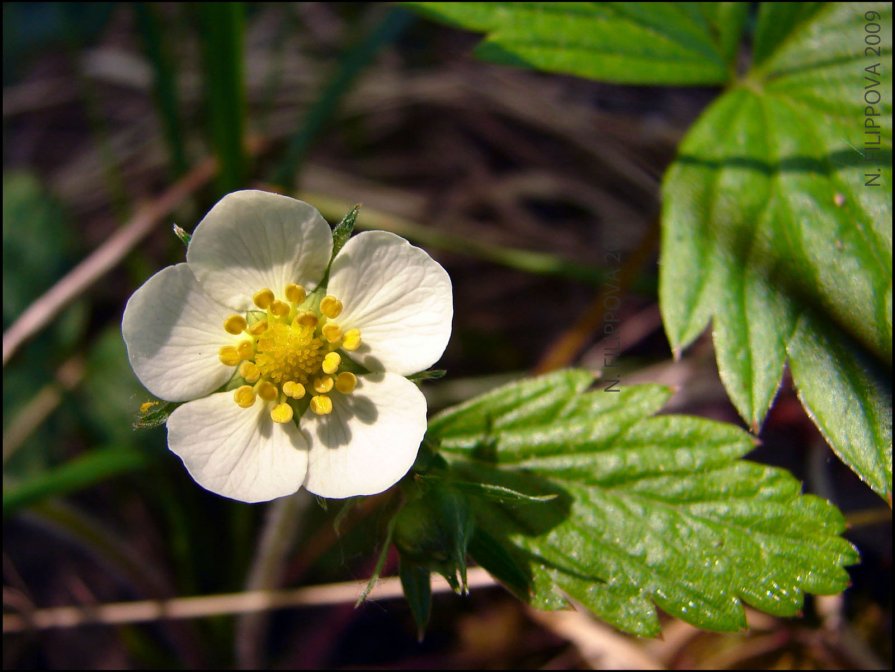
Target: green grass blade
(222,26)
(164,85)
(354,61)
(79,473)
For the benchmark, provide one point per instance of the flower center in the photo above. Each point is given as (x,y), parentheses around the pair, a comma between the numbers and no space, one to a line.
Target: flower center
(286,352)
(291,348)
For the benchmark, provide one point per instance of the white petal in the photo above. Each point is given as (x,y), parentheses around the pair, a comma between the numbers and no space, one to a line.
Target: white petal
(173,332)
(398,296)
(238,452)
(369,441)
(252,240)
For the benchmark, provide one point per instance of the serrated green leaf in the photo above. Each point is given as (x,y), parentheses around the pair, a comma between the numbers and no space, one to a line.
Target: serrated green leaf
(657,512)
(832,375)
(622,42)
(774,231)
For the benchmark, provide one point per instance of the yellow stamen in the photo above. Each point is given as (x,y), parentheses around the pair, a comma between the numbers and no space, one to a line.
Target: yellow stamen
(331,362)
(330,306)
(352,340)
(263,299)
(235,324)
(332,332)
(305,320)
(244,396)
(229,356)
(249,372)
(296,293)
(258,328)
(293,389)
(246,350)
(279,308)
(346,382)
(281,413)
(323,384)
(147,405)
(289,353)
(321,405)
(267,391)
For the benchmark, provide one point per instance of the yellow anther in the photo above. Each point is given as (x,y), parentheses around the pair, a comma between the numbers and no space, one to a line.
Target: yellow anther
(281,413)
(250,372)
(258,328)
(263,299)
(235,324)
(332,332)
(147,405)
(229,356)
(267,391)
(331,362)
(330,306)
(305,320)
(296,293)
(321,404)
(279,308)
(346,382)
(323,384)
(352,339)
(246,350)
(293,389)
(244,396)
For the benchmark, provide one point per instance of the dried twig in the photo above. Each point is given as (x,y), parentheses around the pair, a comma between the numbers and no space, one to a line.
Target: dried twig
(106,257)
(218,605)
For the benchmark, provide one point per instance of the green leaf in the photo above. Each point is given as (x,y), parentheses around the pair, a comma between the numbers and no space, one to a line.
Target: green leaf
(777,227)
(622,42)
(624,512)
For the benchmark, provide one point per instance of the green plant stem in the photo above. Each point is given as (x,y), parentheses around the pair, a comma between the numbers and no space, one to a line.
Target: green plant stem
(279,532)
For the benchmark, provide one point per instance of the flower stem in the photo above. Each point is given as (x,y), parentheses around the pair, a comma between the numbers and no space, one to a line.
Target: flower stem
(277,536)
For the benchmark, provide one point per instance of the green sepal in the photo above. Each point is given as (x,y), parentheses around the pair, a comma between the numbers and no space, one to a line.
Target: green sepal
(184,237)
(417,585)
(344,229)
(433,529)
(155,414)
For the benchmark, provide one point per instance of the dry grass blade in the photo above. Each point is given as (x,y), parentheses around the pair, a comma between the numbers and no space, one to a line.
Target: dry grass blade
(106,257)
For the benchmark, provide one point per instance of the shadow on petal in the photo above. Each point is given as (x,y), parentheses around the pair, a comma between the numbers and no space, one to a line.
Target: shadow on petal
(334,430)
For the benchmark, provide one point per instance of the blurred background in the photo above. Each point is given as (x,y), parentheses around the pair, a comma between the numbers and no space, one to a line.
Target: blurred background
(121,119)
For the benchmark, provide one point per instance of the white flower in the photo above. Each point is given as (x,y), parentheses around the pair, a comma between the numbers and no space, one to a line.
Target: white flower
(290,383)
